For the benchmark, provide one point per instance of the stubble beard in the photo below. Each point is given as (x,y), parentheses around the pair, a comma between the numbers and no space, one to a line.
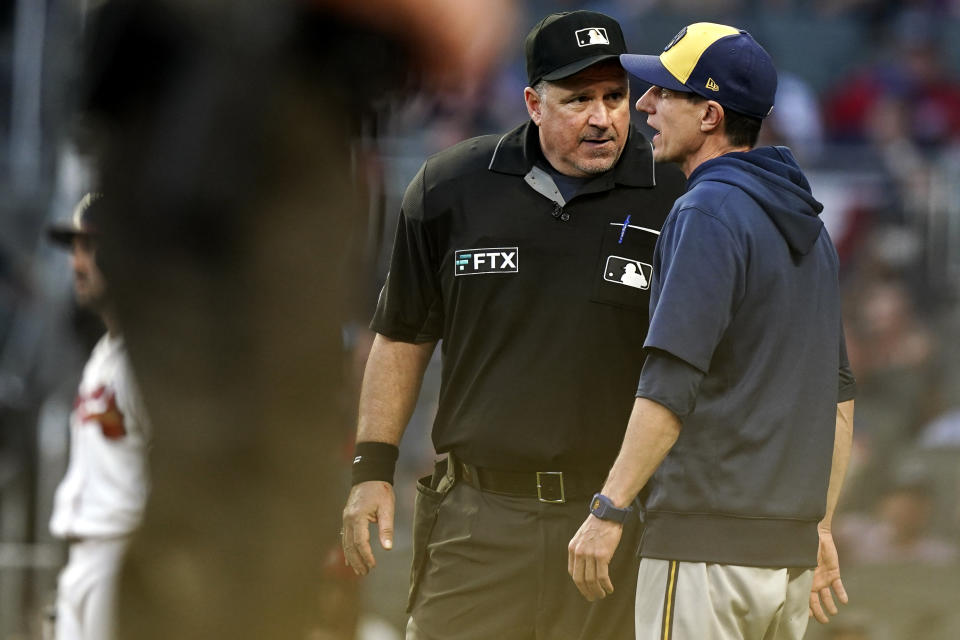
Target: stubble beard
(600,163)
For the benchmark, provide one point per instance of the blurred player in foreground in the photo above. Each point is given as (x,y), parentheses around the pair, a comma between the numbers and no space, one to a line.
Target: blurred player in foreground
(101,499)
(241,170)
(745,405)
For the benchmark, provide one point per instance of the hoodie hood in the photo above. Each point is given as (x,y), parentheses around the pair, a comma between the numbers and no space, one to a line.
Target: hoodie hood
(772,177)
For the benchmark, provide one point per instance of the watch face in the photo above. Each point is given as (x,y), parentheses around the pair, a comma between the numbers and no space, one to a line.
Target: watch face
(596,504)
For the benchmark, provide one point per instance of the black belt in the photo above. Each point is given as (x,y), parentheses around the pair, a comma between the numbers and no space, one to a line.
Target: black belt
(546,486)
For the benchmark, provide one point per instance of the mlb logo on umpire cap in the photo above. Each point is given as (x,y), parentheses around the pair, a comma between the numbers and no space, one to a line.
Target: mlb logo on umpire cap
(593,35)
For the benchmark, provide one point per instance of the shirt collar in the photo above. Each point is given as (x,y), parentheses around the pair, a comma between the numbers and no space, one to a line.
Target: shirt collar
(518,150)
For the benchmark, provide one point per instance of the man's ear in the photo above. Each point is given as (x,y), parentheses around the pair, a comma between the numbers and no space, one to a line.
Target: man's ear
(533,104)
(712,116)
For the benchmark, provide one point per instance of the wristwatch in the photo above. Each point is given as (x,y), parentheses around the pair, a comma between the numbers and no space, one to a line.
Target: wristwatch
(602,507)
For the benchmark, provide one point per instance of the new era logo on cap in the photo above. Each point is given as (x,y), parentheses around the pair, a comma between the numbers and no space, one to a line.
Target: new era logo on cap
(593,35)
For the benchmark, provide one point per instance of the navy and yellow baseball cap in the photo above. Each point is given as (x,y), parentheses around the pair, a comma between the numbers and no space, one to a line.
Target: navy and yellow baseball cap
(563,44)
(714,61)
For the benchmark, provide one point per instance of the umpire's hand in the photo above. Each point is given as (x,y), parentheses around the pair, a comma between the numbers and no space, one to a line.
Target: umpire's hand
(368,502)
(589,554)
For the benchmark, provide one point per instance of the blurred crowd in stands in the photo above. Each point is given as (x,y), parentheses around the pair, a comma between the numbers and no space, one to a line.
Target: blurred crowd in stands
(869,99)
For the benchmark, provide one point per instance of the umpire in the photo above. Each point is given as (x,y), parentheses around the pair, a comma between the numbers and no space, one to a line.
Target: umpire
(529,255)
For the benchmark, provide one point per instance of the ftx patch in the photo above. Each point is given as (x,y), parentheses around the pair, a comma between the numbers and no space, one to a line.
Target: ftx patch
(470,262)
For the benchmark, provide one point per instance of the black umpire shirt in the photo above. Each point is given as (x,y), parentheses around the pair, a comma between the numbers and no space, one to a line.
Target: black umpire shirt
(541,304)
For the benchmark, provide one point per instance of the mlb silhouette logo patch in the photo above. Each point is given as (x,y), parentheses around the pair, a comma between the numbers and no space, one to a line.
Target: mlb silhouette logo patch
(628,272)
(469,262)
(592,35)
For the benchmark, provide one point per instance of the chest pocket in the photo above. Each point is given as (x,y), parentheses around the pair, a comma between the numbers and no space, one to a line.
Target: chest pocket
(624,268)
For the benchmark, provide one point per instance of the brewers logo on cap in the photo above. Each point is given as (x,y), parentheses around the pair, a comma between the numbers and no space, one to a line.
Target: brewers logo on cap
(676,39)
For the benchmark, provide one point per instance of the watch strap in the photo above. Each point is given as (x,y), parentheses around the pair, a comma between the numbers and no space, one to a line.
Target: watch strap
(602,507)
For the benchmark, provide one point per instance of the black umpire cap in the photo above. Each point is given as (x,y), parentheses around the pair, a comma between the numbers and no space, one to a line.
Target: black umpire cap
(563,44)
(81,223)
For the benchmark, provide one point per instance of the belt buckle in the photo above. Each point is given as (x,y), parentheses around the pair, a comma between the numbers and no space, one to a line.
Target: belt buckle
(540,486)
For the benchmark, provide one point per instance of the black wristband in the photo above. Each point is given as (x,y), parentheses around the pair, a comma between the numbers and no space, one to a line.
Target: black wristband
(374,461)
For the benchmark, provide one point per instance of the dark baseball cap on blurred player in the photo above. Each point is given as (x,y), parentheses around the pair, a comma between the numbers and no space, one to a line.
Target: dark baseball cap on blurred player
(81,223)
(563,44)
(715,61)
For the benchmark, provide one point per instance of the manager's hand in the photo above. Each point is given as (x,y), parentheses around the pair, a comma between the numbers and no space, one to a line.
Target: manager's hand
(368,502)
(826,577)
(589,554)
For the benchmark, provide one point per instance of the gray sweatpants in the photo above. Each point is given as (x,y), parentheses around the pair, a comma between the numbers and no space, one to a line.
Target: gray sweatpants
(701,601)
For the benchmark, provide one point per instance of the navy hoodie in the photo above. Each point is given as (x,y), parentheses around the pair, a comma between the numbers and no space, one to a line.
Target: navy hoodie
(745,292)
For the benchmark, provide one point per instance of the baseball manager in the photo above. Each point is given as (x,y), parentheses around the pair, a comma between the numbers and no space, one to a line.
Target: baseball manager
(746,395)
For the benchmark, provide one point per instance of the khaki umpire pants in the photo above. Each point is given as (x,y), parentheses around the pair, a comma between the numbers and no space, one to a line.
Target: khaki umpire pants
(701,601)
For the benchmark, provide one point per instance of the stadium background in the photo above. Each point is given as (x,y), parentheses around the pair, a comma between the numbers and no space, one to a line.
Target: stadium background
(870,101)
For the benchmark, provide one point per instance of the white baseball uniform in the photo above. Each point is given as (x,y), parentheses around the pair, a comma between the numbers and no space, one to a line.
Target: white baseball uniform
(101,498)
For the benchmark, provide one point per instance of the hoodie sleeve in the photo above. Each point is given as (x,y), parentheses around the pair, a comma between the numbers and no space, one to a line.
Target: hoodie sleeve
(847,384)
(698,279)
(671,382)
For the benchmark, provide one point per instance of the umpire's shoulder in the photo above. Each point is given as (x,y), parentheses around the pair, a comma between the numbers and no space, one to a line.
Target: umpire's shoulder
(446,173)
(460,161)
